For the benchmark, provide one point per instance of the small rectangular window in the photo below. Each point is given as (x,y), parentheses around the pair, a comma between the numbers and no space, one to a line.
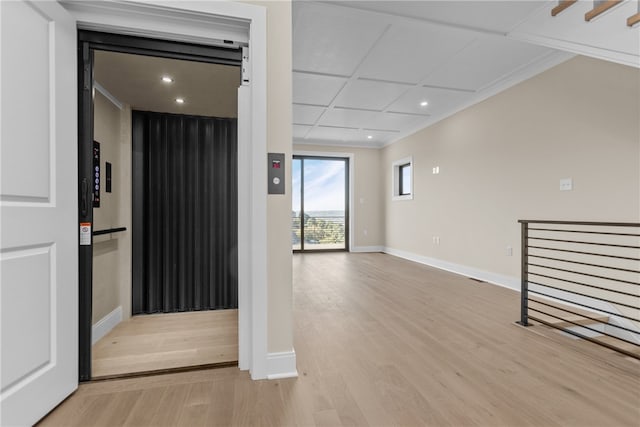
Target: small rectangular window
(402,179)
(405,179)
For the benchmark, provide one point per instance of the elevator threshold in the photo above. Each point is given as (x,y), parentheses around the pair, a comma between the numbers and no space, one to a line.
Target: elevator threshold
(142,374)
(160,343)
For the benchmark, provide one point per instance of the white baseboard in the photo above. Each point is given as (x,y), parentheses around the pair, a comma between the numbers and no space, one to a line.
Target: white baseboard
(106,324)
(367,249)
(514,284)
(486,276)
(281,365)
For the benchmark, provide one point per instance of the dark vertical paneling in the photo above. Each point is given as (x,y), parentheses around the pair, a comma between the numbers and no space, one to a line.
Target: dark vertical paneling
(138,171)
(185,251)
(85,214)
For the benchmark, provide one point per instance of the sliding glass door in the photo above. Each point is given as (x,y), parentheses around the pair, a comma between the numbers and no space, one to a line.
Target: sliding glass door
(320,204)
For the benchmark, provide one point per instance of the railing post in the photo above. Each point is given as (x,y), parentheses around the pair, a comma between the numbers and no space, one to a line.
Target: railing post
(524,279)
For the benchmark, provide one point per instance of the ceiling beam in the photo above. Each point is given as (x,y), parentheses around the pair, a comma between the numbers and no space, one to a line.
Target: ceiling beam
(633,19)
(562,5)
(600,8)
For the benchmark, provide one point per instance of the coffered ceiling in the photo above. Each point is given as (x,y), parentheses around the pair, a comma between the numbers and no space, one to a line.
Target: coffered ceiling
(367,73)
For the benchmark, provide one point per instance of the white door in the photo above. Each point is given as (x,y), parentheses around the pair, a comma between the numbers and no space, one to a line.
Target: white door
(38,208)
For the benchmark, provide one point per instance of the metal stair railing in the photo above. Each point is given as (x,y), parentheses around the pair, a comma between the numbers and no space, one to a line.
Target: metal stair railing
(588,270)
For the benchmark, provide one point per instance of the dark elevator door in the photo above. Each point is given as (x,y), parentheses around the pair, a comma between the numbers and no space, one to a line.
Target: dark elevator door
(185,231)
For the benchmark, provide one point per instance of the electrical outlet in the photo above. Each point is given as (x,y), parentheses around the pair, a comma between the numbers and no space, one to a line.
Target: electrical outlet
(436,240)
(509,251)
(365,232)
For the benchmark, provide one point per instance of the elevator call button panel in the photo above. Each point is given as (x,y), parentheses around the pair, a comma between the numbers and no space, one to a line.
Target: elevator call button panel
(276,173)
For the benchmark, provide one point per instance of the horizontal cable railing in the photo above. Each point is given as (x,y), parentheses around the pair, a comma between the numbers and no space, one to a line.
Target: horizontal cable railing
(584,279)
(319,230)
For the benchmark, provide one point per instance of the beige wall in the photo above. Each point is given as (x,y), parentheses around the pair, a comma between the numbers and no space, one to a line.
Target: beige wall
(125,188)
(501,161)
(112,253)
(367,200)
(279,317)
(279,78)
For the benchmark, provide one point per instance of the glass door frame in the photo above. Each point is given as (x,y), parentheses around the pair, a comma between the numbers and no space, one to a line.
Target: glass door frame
(347,197)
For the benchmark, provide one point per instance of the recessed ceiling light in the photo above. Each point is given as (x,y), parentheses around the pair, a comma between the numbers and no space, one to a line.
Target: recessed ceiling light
(167,79)
(369,136)
(180,100)
(424,103)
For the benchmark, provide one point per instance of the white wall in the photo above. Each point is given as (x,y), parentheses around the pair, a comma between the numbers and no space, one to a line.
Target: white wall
(501,160)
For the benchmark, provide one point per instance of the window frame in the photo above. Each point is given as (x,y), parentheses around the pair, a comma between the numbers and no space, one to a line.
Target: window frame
(401,182)
(347,158)
(397,180)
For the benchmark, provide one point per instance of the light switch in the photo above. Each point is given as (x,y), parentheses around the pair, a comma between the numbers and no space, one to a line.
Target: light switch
(566,184)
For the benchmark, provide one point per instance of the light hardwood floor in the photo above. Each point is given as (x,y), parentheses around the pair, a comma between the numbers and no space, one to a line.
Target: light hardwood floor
(384,341)
(158,342)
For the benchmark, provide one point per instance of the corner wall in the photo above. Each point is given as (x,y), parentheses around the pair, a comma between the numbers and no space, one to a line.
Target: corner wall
(279,261)
(502,160)
(279,96)
(112,252)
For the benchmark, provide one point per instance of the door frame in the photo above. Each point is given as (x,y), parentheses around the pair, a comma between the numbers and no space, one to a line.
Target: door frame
(350,168)
(183,22)
(88,43)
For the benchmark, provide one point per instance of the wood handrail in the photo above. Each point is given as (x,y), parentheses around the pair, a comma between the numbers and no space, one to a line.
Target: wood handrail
(633,19)
(562,6)
(600,9)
